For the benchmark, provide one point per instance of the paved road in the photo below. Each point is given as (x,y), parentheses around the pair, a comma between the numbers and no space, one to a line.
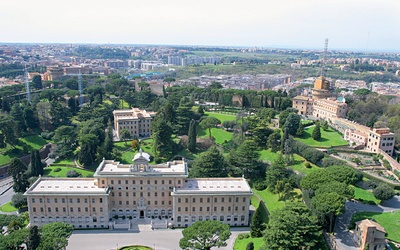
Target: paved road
(159,239)
(343,237)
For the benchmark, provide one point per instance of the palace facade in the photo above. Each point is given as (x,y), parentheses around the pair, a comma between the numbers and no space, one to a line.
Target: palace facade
(135,120)
(160,194)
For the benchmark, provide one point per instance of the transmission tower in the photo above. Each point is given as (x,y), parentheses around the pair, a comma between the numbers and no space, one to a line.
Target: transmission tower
(28,90)
(323,70)
(80,88)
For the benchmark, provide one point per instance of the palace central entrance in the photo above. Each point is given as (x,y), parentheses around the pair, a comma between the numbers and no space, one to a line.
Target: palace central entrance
(141,214)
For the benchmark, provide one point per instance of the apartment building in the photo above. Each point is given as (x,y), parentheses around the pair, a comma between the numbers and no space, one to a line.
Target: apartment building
(381,138)
(369,234)
(141,192)
(135,120)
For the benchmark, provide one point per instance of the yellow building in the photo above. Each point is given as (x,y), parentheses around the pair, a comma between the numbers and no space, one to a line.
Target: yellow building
(329,108)
(303,104)
(123,195)
(135,120)
(381,139)
(321,88)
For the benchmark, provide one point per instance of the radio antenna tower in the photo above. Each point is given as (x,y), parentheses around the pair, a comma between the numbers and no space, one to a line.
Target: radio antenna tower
(323,70)
(80,88)
(28,90)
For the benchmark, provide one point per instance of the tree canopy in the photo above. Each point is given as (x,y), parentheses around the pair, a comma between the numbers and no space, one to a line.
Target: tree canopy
(203,235)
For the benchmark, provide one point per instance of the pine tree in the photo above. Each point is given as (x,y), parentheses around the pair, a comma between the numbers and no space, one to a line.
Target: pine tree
(192,136)
(257,225)
(209,164)
(34,238)
(316,134)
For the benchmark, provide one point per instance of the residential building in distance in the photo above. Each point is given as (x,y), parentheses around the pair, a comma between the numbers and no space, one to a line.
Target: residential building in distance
(160,195)
(136,121)
(369,233)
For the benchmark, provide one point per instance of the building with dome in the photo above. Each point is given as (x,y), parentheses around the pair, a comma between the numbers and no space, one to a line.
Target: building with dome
(120,196)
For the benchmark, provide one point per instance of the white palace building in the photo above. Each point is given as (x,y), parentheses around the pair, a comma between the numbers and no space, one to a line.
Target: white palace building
(122,195)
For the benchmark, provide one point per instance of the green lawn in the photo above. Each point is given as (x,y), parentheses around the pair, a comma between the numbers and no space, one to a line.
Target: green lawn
(67,161)
(146,145)
(365,195)
(241,244)
(122,146)
(221,117)
(7,207)
(298,164)
(4,159)
(328,138)
(271,200)
(220,135)
(34,141)
(389,221)
(49,171)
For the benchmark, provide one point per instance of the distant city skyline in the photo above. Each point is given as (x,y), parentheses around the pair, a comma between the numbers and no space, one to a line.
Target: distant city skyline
(363,25)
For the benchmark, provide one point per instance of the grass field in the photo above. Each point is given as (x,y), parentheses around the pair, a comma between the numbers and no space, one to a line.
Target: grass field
(146,145)
(221,117)
(389,221)
(34,141)
(219,134)
(328,139)
(271,200)
(67,161)
(7,207)
(365,195)
(49,171)
(298,164)
(241,244)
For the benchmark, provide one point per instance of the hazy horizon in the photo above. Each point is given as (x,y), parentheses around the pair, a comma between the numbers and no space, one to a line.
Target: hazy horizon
(352,25)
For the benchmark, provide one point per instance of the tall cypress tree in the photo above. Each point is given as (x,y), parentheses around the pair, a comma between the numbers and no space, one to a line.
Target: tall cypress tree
(316,134)
(192,136)
(257,225)
(34,238)
(36,163)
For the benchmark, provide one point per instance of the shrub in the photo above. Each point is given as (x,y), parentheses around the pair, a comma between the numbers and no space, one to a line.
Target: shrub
(371,184)
(386,164)
(383,192)
(250,246)
(243,236)
(260,185)
(73,173)
(47,135)
(307,165)
(57,170)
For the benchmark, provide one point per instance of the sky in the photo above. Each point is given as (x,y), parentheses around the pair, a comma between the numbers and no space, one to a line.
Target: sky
(364,25)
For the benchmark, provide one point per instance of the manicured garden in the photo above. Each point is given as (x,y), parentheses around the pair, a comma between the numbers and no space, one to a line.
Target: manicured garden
(220,135)
(365,196)
(7,207)
(241,244)
(329,138)
(299,163)
(271,200)
(390,221)
(221,117)
(34,141)
(61,171)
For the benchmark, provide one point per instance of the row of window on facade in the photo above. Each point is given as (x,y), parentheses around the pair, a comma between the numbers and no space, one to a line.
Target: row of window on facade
(66,219)
(71,200)
(64,210)
(149,212)
(215,217)
(207,209)
(127,203)
(140,182)
(222,199)
(135,122)
(141,194)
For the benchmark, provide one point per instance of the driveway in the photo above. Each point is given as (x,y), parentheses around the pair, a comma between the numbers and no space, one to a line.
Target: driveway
(111,239)
(343,237)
